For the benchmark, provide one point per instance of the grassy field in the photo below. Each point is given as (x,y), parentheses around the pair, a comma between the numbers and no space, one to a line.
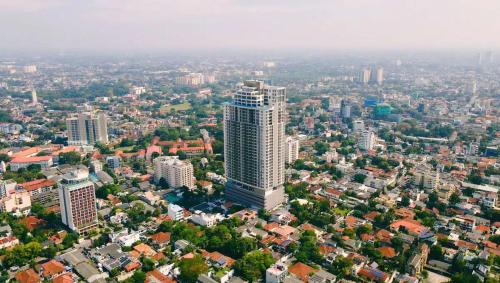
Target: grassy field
(178,107)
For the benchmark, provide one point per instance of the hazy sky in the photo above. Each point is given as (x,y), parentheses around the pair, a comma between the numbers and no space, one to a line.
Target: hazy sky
(249,24)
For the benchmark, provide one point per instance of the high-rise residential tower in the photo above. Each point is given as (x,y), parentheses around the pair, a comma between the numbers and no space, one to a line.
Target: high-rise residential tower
(178,173)
(77,201)
(364,76)
(254,137)
(34,97)
(87,128)
(292,146)
(377,76)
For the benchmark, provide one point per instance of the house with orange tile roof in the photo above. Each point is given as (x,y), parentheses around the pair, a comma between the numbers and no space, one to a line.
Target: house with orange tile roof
(65,278)
(387,252)
(302,271)
(51,269)
(23,162)
(28,276)
(404,213)
(374,274)
(352,222)
(155,276)
(218,259)
(412,226)
(160,239)
(371,215)
(144,249)
(31,222)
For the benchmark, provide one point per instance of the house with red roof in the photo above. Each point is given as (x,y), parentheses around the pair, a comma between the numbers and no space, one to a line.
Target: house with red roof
(28,276)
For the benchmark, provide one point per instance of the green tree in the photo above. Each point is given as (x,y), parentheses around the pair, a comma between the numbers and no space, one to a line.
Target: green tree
(71,158)
(252,266)
(192,268)
(359,178)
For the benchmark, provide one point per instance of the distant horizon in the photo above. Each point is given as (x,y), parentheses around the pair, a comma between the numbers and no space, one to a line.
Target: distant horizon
(151,25)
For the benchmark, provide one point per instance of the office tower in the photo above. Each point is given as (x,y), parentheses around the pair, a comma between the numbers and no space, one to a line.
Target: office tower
(367,140)
(291,150)
(178,173)
(34,98)
(377,76)
(77,201)
(364,76)
(254,134)
(87,128)
(345,109)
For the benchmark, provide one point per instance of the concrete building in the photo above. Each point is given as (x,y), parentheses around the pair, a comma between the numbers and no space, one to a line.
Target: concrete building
(377,76)
(254,135)
(177,173)
(77,201)
(358,126)
(113,162)
(203,219)
(364,76)
(17,203)
(87,128)
(175,212)
(366,140)
(426,179)
(291,150)
(34,97)
(193,80)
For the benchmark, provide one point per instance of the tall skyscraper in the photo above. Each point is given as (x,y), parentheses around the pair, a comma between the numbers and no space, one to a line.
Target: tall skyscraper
(364,75)
(377,76)
(87,128)
(367,140)
(34,98)
(254,136)
(77,201)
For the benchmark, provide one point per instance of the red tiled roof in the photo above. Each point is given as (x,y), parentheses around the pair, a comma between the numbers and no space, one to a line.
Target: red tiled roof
(51,268)
(387,252)
(158,277)
(28,276)
(65,278)
(160,237)
(302,271)
(37,184)
(31,159)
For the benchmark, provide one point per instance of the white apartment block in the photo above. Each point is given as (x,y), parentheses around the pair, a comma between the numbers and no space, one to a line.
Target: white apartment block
(203,219)
(291,150)
(77,201)
(87,128)
(177,173)
(366,140)
(175,212)
(254,135)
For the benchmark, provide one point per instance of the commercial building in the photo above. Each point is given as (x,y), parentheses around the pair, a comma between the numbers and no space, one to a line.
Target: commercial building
(254,135)
(177,173)
(291,150)
(87,128)
(77,201)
